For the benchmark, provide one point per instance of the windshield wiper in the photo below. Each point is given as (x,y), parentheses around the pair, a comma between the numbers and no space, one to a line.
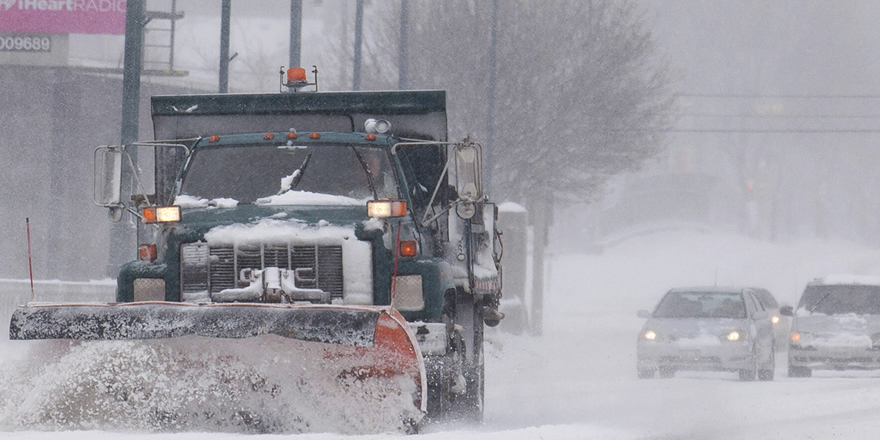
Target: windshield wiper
(816,304)
(295,178)
(367,170)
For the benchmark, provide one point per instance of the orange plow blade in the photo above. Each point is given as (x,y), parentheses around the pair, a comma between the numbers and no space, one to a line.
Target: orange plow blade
(276,368)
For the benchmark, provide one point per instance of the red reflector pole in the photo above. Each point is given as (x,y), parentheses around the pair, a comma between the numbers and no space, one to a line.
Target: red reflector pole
(396,258)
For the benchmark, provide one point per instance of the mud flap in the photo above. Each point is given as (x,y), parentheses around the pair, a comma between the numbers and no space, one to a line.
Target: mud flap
(356,345)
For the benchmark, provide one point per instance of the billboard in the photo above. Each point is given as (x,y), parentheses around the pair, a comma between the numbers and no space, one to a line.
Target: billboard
(63,16)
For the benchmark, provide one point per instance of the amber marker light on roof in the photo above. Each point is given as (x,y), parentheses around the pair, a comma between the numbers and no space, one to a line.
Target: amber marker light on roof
(296,76)
(291,135)
(315,136)
(214,138)
(371,137)
(268,136)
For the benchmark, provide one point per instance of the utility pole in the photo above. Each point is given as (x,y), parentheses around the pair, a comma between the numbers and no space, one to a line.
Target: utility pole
(358,36)
(490,117)
(225,18)
(131,73)
(295,33)
(122,233)
(403,56)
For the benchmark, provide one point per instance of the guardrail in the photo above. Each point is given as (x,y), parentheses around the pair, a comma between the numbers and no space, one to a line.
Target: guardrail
(14,293)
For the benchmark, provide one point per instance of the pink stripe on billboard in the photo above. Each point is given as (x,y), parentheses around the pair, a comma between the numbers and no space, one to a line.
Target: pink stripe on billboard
(63,16)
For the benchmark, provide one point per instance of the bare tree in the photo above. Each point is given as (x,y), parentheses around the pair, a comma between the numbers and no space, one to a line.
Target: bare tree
(580,95)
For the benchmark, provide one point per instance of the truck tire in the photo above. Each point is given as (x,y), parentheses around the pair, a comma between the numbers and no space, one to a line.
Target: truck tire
(471,404)
(464,360)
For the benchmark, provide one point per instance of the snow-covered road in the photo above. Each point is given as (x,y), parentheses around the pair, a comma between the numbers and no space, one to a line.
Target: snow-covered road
(578,380)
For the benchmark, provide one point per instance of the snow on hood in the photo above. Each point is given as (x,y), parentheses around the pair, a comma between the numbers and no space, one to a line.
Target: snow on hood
(188,201)
(850,330)
(309,198)
(270,230)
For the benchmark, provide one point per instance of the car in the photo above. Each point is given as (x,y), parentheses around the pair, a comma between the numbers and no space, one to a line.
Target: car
(781,323)
(707,329)
(836,325)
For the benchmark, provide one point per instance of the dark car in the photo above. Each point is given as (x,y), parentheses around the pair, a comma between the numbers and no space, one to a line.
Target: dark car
(708,329)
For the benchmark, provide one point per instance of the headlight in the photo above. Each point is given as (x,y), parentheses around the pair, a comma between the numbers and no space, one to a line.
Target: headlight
(161,214)
(386,208)
(798,338)
(649,335)
(735,336)
(774,319)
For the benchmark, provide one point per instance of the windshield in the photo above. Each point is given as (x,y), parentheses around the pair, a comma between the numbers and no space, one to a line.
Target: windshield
(266,175)
(701,305)
(842,299)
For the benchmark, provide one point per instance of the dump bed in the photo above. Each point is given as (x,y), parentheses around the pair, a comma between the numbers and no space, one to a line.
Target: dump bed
(418,114)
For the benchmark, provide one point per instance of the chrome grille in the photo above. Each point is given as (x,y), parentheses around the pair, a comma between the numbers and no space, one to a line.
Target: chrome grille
(218,268)
(194,270)
(222,274)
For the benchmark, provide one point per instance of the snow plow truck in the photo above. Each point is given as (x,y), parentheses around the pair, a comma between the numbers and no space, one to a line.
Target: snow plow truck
(346,221)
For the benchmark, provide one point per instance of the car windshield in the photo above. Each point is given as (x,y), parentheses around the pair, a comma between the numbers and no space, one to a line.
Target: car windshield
(701,305)
(281,174)
(842,299)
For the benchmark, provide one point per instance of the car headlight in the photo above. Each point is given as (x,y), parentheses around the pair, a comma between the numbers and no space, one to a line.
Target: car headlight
(774,319)
(735,336)
(796,339)
(648,335)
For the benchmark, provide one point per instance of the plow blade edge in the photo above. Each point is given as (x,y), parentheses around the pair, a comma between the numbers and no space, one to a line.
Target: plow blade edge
(159,320)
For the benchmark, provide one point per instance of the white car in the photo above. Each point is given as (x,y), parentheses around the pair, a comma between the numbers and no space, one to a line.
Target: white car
(707,329)
(836,326)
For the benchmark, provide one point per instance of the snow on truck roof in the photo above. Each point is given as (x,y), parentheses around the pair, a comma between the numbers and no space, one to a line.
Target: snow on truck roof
(837,279)
(708,289)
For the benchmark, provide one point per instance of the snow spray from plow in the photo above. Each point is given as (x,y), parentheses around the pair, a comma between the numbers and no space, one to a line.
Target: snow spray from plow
(277,378)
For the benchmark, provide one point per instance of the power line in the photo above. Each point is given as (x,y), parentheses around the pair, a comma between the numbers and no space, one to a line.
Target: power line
(733,115)
(746,130)
(779,96)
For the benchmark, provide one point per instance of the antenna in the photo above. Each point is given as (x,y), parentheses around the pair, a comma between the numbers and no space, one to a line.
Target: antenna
(27,222)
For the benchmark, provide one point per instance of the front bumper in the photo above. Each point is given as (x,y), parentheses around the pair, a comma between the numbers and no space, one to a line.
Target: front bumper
(834,358)
(721,357)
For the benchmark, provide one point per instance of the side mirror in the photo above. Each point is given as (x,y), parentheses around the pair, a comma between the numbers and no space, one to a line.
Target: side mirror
(468,175)
(644,314)
(786,311)
(108,176)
